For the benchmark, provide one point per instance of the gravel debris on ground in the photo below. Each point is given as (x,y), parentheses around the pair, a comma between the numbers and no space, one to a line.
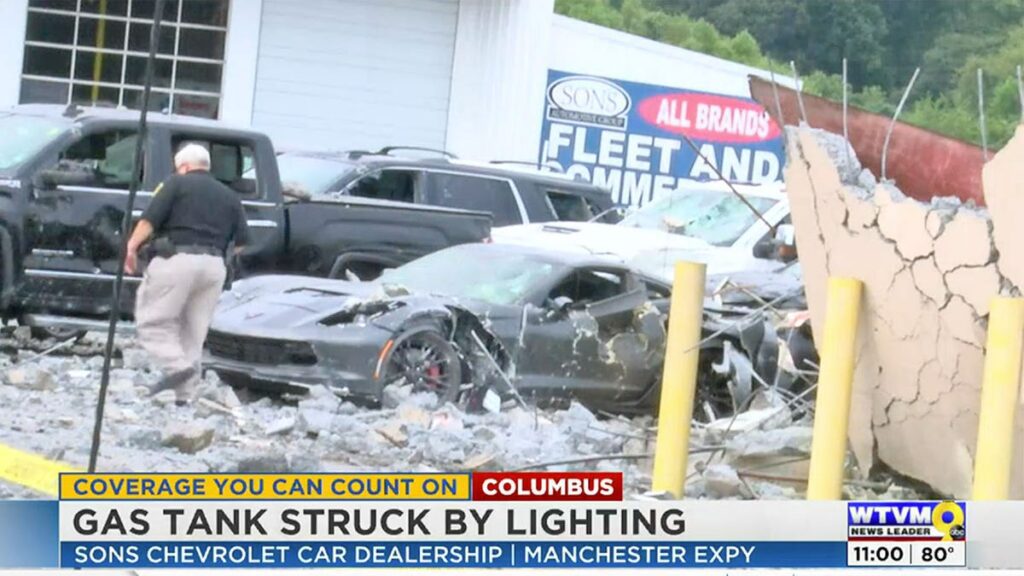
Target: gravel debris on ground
(48,403)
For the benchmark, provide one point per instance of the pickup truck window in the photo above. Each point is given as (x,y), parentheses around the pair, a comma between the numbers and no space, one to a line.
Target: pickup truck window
(106,156)
(569,207)
(474,193)
(233,163)
(24,136)
(394,185)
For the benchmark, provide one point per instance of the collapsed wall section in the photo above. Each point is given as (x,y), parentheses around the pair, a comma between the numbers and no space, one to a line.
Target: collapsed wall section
(929,271)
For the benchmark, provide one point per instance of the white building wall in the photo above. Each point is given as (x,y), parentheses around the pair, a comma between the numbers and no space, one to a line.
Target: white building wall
(498,80)
(355,74)
(238,84)
(585,48)
(13,18)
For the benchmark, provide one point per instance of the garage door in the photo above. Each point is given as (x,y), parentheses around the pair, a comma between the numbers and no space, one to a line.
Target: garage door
(355,74)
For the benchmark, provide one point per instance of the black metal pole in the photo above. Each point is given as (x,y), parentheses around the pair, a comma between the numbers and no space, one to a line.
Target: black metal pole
(126,230)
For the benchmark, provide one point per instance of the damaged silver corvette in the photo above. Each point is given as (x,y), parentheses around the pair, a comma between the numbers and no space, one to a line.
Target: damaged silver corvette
(524,322)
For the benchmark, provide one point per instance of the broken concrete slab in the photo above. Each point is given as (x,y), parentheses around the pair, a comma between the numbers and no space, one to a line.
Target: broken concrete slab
(976,285)
(791,441)
(965,241)
(413,415)
(280,426)
(188,437)
(763,418)
(394,432)
(313,421)
(903,221)
(929,280)
(1002,177)
(929,271)
(722,481)
(30,377)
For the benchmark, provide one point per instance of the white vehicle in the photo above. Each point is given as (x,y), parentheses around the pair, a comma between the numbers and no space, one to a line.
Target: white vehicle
(707,223)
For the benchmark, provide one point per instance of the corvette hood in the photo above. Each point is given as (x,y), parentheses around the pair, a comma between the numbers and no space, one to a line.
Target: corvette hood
(265,305)
(281,302)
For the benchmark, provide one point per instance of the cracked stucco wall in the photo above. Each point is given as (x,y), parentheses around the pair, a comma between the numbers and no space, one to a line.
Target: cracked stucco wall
(929,271)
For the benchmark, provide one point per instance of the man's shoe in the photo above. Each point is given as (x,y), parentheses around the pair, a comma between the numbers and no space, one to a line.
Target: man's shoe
(172,381)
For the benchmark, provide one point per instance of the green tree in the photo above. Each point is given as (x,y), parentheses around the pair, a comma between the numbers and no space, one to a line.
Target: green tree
(882,40)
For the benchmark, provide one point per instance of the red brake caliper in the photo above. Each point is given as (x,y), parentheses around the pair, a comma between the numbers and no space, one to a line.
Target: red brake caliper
(434,372)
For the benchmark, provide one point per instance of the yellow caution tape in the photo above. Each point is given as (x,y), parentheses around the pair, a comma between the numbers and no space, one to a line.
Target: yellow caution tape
(32,471)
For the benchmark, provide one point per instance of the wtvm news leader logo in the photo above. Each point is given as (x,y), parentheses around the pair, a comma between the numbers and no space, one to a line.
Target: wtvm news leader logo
(943,521)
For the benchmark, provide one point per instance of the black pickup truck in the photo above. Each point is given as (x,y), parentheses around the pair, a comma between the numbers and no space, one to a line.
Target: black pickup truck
(64,177)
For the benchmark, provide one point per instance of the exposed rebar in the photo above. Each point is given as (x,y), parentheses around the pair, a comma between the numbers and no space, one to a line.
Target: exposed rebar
(778,106)
(895,116)
(846,127)
(62,344)
(981,113)
(728,184)
(799,93)
(1020,93)
(600,457)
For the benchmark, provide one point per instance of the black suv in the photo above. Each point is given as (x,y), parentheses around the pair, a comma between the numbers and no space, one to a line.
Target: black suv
(514,192)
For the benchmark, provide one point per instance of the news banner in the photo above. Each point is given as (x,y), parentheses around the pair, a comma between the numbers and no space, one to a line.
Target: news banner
(478,520)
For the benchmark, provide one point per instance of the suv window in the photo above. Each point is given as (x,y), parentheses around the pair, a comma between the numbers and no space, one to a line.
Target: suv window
(589,286)
(394,185)
(569,207)
(474,193)
(106,156)
(233,163)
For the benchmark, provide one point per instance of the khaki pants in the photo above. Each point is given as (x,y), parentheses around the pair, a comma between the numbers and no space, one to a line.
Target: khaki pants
(173,310)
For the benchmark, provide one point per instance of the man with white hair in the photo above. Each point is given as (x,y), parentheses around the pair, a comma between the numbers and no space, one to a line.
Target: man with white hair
(192,221)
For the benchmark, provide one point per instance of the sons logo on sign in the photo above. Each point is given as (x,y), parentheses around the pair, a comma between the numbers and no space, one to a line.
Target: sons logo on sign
(588,100)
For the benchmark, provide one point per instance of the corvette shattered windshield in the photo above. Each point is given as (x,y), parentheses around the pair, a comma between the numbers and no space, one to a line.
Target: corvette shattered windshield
(468,272)
(716,217)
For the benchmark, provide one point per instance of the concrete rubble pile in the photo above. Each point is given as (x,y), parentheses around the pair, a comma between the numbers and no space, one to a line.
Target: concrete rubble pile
(47,404)
(929,272)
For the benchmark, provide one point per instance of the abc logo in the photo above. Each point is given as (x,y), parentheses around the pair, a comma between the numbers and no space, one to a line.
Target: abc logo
(957,532)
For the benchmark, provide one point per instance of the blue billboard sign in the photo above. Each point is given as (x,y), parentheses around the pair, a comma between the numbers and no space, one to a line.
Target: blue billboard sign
(632,138)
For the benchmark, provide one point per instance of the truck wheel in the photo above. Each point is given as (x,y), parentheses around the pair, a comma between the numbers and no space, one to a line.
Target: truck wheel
(426,361)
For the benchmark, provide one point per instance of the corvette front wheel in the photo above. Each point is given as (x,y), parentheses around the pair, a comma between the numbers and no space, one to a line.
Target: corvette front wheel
(425,360)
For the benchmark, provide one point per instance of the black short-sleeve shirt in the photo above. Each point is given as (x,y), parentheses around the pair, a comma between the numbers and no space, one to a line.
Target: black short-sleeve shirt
(196,209)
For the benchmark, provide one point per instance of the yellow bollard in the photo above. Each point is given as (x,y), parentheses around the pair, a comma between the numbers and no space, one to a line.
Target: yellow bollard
(679,379)
(999,391)
(835,388)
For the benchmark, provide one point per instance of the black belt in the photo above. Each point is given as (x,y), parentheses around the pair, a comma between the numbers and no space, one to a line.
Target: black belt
(199,249)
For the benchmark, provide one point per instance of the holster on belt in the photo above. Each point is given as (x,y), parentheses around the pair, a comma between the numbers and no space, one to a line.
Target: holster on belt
(160,247)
